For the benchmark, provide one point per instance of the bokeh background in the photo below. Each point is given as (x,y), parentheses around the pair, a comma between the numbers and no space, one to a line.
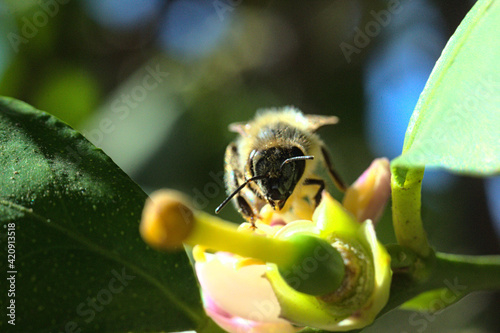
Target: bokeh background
(156,83)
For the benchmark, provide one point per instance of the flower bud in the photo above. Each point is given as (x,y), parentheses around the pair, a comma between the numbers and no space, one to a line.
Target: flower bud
(367,197)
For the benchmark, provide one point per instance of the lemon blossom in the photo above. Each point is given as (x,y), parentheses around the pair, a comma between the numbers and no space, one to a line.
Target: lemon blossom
(247,295)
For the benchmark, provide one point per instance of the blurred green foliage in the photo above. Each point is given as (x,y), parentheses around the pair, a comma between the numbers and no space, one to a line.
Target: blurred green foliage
(101,81)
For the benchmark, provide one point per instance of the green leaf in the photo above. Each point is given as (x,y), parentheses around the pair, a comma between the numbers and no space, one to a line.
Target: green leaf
(73,217)
(455,123)
(432,301)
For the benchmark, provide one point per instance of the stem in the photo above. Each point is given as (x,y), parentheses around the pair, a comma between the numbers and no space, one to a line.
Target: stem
(406,185)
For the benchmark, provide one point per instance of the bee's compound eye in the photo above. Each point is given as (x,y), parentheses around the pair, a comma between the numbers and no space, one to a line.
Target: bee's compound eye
(275,188)
(292,172)
(260,163)
(290,175)
(288,170)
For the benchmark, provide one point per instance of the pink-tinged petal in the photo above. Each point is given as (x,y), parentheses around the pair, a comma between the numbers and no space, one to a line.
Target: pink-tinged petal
(242,297)
(367,197)
(239,325)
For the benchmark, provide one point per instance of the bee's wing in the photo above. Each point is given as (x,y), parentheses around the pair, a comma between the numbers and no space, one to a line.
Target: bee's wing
(316,121)
(240,128)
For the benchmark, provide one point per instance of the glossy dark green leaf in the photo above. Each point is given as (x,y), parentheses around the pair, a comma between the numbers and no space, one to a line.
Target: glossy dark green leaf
(455,123)
(80,264)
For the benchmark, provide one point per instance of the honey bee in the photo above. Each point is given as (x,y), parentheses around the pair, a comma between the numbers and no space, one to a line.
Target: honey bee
(272,160)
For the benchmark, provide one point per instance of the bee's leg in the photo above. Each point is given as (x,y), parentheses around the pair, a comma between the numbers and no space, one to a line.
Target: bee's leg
(335,176)
(246,210)
(321,183)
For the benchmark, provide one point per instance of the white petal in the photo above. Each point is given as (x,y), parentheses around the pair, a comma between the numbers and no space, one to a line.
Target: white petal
(244,293)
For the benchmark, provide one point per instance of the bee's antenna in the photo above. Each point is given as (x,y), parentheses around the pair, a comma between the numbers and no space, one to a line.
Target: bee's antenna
(218,209)
(296,158)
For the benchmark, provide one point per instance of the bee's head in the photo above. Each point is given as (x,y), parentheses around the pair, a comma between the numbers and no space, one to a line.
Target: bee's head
(278,170)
